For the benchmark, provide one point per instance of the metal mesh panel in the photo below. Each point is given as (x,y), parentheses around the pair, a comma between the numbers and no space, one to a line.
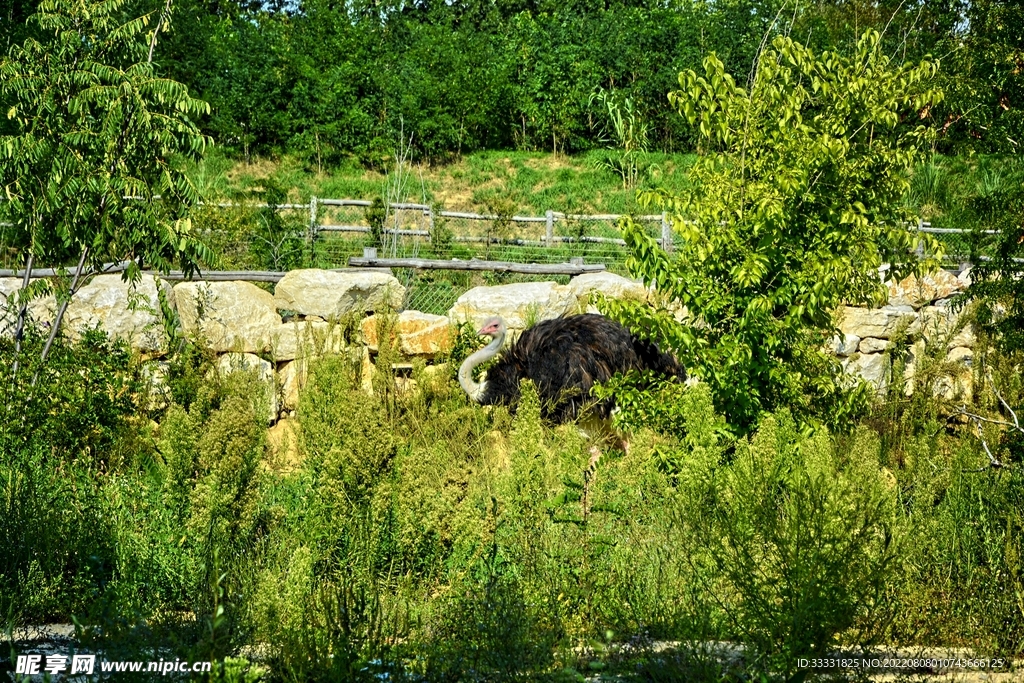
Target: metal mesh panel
(413,233)
(956,246)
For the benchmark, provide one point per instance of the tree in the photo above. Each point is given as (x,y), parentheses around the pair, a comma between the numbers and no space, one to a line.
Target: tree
(98,136)
(985,111)
(996,216)
(795,205)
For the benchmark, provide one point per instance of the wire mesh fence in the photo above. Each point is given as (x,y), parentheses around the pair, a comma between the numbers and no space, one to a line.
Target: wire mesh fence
(419,233)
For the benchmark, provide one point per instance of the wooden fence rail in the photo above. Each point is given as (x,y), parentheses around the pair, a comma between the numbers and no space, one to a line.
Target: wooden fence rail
(494,266)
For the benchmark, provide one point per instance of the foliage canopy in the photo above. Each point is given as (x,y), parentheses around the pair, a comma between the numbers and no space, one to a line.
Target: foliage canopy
(98,135)
(996,214)
(795,206)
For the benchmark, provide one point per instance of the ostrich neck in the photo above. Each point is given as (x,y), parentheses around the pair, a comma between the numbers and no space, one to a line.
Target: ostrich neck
(475,390)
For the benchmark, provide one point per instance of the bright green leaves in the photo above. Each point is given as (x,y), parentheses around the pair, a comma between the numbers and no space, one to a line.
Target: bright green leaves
(796,202)
(95,125)
(713,101)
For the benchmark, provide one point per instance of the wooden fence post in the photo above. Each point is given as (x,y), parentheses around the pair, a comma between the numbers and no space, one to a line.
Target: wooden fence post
(311,237)
(666,232)
(549,229)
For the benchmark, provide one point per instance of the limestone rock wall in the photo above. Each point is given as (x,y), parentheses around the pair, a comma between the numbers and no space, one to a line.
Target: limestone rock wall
(312,312)
(917,308)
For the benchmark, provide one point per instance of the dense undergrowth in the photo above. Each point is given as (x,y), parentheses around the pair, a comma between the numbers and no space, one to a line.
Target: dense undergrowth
(421,537)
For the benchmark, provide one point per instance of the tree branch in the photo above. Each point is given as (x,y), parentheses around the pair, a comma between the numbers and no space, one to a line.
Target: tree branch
(990,420)
(19,331)
(993,461)
(156,31)
(63,307)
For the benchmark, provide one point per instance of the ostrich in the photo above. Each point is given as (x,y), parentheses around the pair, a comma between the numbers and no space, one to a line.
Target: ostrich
(564,357)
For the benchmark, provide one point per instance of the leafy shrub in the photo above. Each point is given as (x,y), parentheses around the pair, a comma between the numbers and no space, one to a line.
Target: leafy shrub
(62,434)
(964,571)
(350,447)
(279,239)
(781,226)
(376,214)
(80,403)
(57,543)
(191,377)
(800,541)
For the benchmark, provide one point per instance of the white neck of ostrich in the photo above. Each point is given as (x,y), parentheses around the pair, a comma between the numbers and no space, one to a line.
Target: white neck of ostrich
(474,389)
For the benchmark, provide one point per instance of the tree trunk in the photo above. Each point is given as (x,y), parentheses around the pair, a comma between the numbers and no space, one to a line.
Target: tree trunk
(63,307)
(19,331)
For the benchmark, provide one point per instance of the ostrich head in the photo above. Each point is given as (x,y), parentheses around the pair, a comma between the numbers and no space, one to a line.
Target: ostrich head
(494,328)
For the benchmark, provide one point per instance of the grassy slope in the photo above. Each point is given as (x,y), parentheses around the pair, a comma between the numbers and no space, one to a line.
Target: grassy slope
(532,182)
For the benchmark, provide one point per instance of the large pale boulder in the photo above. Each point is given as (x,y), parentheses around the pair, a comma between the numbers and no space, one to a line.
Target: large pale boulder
(333,295)
(880,323)
(292,377)
(304,338)
(283,446)
(872,345)
(914,358)
(366,370)
(958,387)
(157,394)
(420,334)
(938,324)
(964,337)
(955,386)
(918,292)
(587,287)
(872,367)
(965,278)
(41,311)
(845,344)
(122,311)
(228,316)
(960,354)
(247,362)
(518,304)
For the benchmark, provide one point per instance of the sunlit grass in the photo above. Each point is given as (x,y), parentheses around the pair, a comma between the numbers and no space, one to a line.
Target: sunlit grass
(532,182)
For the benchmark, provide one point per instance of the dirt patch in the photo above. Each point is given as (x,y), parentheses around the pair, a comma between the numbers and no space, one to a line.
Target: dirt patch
(550,162)
(283,455)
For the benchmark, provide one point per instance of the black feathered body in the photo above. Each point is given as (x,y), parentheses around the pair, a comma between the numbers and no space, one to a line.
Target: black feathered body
(565,357)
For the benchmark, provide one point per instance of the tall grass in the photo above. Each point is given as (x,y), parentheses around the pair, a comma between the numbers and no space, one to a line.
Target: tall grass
(421,537)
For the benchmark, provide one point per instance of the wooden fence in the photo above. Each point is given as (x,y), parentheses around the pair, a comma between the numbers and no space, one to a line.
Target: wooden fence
(550,219)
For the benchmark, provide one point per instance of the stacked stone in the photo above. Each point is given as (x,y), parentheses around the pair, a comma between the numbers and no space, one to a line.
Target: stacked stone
(920,308)
(277,333)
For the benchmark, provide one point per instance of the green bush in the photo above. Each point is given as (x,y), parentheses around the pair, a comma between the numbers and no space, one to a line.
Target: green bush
(800,541)
(79,404)
(62,436)
(57,542)
(426,538)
